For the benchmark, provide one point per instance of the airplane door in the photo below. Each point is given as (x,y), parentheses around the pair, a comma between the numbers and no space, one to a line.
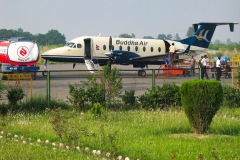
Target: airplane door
(88,48)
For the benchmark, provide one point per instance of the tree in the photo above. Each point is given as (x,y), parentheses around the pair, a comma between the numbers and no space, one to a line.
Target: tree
(176,37)
(54,37)
(162,36)
(190,32)
(125,35)
(169,37)
(133,35)
(217,42)
(229,41)
(148,37)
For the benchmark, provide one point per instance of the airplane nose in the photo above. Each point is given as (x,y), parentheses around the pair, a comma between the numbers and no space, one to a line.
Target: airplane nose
(44,55)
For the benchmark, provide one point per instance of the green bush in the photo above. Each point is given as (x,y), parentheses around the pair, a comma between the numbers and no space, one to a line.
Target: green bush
(3,109)
(14,95)
(231,97)
(38,103)
(97,109)
(201,100)
(1,87)
(128,98)
(160,97)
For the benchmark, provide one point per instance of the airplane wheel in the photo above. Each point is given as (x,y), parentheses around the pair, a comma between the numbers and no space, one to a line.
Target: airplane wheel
(142,73)
(44,73)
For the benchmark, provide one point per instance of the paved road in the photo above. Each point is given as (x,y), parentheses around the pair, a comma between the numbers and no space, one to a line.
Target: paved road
(63,74)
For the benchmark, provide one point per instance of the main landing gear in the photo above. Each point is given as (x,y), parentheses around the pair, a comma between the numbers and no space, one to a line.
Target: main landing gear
(44,73)
(142,73)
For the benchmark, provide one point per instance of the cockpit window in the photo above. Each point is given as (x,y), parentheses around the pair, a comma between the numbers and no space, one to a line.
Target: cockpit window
(70,44)
(79,46)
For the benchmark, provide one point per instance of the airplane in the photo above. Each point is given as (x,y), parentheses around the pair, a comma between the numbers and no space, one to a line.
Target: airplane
(140,53)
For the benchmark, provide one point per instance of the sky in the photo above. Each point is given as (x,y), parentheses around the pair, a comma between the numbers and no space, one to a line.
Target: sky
(75,18)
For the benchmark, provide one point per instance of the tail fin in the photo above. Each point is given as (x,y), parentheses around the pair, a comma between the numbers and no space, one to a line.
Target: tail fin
(204,33)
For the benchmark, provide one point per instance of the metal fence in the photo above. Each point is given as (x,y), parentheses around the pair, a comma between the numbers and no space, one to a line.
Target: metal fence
(56,84)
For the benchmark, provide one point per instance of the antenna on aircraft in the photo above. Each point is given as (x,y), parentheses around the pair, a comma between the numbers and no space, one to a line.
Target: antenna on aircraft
(99,34)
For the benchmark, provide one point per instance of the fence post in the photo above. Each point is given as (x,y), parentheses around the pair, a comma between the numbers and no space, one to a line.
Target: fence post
(48,88)
(153,78)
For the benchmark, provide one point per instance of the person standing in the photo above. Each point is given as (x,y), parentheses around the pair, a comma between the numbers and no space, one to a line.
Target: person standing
(166,62)
(172,50)
(208,64)
(218,68)
(192,65)
(204,67)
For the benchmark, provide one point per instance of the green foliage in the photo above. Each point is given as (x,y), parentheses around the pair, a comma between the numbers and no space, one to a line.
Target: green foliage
(231,97)
(68,131)
(1,87)
(38,103)
(51,37)
(3,109)
(125,35)
(95,91)
(160,97)
(78,96)
(201,100)
(128,98)
(112,83)
(97,109)
(220,46)
(14,95)
(190,31)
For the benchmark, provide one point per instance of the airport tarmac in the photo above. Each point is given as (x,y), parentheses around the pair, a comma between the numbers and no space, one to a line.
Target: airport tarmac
(61,75)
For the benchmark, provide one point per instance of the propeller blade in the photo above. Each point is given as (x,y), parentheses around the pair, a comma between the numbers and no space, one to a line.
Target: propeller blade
(74,64)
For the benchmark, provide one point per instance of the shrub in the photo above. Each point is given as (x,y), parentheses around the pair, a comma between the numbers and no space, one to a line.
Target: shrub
(78,96)
(1,87)
(201,100)
(160,97)
(128,98)
(3,109)
(97,109)
(38,103)
(14,95)
(231,97)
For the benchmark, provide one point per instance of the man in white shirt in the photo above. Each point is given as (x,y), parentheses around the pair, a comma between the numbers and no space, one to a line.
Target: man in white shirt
(204,67)
(218,68)
(172,50)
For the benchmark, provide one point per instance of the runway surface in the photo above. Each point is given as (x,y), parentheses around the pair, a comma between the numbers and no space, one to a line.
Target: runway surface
(61,75)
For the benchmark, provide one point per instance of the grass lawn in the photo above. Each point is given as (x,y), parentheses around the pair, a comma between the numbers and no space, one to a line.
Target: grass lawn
(150,135)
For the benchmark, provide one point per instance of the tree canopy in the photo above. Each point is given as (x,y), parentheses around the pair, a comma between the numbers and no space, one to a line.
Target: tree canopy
(50,38)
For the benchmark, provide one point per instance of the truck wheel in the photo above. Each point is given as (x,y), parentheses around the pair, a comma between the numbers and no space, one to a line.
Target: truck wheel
(44,73)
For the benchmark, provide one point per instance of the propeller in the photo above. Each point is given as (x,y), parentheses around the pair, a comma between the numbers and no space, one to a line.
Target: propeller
(110,52)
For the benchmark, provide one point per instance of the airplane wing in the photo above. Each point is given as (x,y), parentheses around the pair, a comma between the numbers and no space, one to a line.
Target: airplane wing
(132,56)
(149,58)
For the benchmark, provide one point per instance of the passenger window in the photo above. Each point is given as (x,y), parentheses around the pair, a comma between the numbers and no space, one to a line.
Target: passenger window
(136,48)
(151,49)
(120,47)
(128,48)
(159,49)
(144,49)
(104,47)
(79,46)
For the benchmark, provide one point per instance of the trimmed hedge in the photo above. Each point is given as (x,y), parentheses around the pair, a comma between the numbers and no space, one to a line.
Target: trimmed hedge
(201,99)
